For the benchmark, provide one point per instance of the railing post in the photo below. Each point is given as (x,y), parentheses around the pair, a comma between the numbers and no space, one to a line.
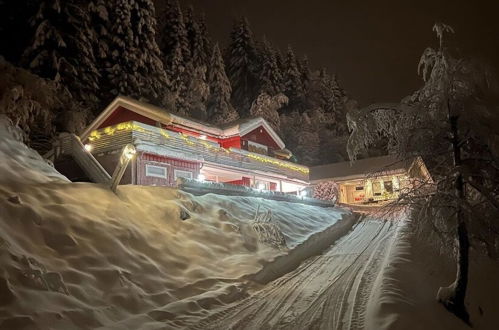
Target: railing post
(127,155)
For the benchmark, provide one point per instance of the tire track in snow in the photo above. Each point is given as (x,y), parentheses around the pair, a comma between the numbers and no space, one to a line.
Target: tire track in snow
(329,291)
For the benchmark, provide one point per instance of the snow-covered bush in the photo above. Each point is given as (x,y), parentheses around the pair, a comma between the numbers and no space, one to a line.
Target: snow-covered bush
(38,106)
(327,191)
(267,231)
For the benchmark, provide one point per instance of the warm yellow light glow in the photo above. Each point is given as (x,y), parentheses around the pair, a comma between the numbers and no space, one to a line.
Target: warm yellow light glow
(279,163)
(88,147)
(129,151)
(132,126)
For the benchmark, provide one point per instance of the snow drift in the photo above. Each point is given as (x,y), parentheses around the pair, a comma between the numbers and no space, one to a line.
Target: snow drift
(75,255)
(405,291)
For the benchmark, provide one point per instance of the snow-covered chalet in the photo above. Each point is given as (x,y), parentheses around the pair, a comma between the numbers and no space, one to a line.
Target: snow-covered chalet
(246,152)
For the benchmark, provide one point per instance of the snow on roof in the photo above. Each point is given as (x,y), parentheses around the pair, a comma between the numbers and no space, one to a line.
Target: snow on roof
(361,168)
(236,128)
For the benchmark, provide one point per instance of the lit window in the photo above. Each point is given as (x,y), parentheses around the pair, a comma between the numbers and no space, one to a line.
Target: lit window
(182,174)
(156,171)
(377,188)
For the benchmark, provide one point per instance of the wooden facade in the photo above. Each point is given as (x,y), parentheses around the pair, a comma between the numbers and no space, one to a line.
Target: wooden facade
(169,146)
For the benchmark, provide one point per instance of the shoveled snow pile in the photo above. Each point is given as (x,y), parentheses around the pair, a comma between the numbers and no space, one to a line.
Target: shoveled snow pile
(405,292)
(77,256)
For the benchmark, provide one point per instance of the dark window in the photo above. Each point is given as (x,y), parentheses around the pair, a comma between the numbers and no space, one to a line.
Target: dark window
(388,186)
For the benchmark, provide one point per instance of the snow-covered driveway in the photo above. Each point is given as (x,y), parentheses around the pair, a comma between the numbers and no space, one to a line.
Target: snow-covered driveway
(329,291)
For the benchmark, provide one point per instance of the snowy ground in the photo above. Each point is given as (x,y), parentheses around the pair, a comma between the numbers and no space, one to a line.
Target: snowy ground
(326,292)
(404,296)
(77,256)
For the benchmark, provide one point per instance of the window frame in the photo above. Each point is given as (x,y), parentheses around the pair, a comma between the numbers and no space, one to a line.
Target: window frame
(149,174)
(175,177)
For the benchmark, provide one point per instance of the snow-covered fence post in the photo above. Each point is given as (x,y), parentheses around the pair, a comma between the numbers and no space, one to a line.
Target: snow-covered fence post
(126,156)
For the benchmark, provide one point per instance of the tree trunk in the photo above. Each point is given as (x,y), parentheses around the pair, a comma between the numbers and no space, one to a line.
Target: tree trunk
(452,297)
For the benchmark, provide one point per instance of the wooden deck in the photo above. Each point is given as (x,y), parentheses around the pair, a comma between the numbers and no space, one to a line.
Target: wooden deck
(163,142)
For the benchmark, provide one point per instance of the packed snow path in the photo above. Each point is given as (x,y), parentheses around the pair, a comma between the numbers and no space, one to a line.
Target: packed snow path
(329,291)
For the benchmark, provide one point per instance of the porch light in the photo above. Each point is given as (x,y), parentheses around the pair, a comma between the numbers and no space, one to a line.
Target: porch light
(126,156)
(88,147)
(201,177)
(129,151)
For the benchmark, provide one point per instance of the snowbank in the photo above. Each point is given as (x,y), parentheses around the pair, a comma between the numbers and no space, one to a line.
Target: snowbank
(405,292)
(75,255)
(20,163)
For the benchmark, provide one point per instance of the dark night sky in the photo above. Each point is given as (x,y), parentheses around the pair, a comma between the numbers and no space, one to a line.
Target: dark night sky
(373,46)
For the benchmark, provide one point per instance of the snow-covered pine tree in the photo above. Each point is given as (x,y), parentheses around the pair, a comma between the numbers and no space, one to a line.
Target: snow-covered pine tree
(197,39)
(155,80)
(177,72)
(267,107)
(206,41)
(176,53)
(173,31)
(220,110)
(242,67)
(301,134)
(270,98)
(271,80)
(196,83)
(62,48)
(128,55)
(40,107)
(292,78)
(331,98)
(305,73)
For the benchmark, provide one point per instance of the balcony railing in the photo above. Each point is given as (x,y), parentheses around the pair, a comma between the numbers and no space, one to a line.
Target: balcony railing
(173,144)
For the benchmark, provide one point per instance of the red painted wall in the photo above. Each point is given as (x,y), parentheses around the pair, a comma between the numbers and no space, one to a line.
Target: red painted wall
(243,182)
(122,115)
(170,163)
(260,135)
(234,142)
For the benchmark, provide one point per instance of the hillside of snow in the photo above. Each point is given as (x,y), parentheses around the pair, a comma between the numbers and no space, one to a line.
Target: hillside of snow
(77,256)
(405,291)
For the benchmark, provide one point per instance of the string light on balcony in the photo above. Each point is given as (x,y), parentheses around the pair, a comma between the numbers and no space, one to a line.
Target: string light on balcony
(192,141)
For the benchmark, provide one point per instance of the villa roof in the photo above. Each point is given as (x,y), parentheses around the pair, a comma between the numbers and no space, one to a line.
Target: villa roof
(362,168)
(237,128)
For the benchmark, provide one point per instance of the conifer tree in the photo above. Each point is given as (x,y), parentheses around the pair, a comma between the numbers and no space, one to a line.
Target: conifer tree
(220,110)
(203,34)
(173,32)
(305,73)
(197,88)
(197,39)
(174,45)
(133,65)
(62,48)
(242,67)
(292,78)
(270,76)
